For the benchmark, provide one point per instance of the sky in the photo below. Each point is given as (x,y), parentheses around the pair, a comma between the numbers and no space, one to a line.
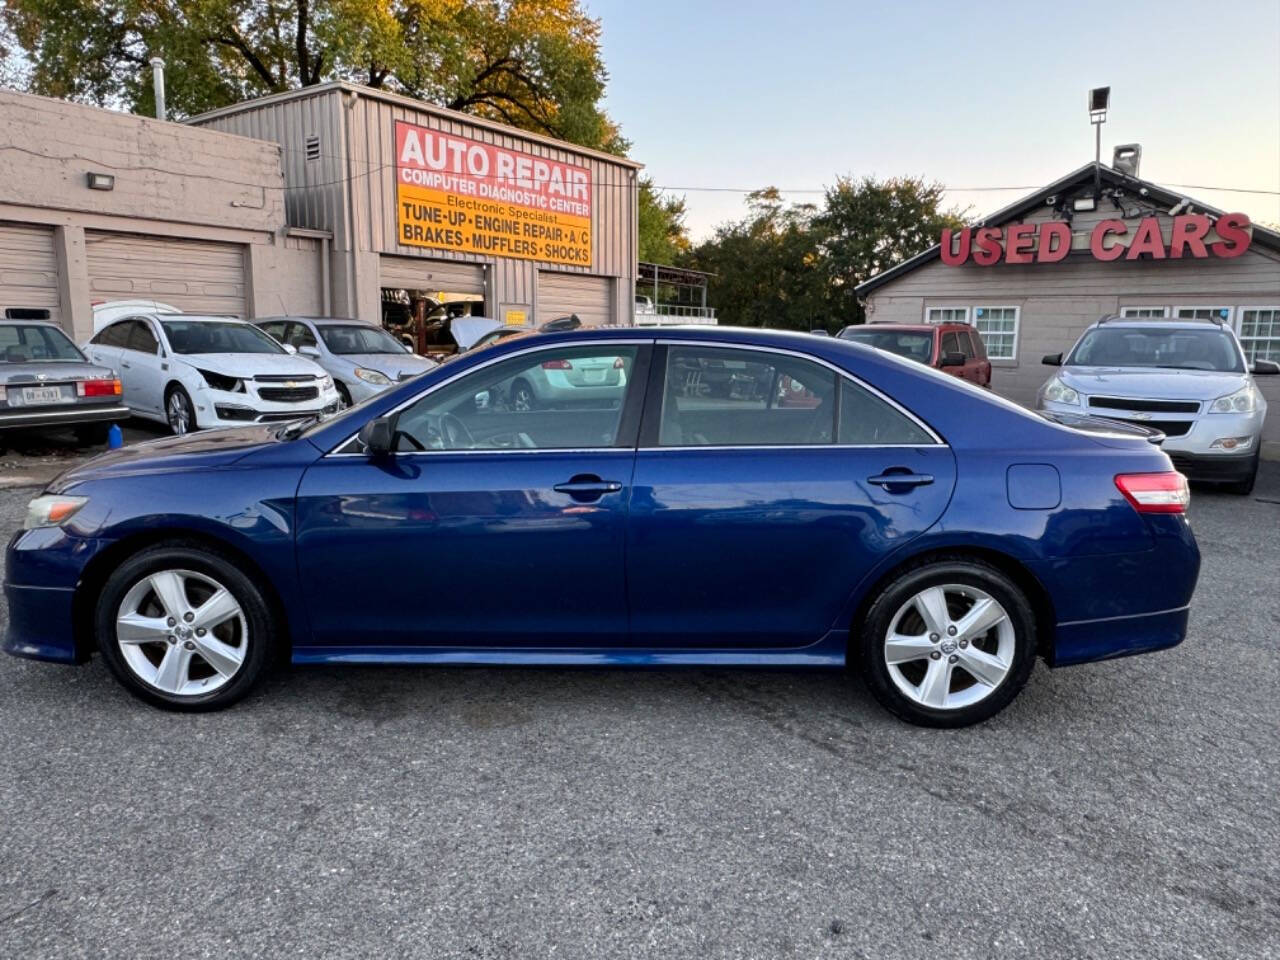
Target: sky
(979,94)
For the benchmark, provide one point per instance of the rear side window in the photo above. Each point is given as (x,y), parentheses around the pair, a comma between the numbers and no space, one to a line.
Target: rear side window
(115,335)
(867,420)
(745,398)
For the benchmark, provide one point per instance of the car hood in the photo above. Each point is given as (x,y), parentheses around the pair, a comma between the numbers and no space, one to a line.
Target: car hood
(392,365)
(200,450)
(1153,384)
(253,364)
(467,330)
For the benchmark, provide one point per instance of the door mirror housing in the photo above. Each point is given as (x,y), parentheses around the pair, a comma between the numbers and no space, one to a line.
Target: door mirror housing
(289,348)
(953,360)
(309,351)
(1052,359)
(1266,367)
(482,400)
(376,437)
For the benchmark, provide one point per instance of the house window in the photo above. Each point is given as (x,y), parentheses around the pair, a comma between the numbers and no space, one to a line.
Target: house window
(1217,314)
(999,329)
(946,315)
(1143,313)
(1259,329)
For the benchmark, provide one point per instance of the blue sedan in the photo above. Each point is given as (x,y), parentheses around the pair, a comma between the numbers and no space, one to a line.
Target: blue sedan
(727,497)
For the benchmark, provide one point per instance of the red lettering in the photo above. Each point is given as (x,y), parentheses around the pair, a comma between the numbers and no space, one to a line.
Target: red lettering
(1148,240)
(1019,247)
(1189,230)
(1100,234)
(1046,252)
(988,244)
(1233,229)
(950,256)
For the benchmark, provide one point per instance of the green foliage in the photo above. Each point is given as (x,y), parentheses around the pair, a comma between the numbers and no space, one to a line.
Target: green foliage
(795,266)
(662,232)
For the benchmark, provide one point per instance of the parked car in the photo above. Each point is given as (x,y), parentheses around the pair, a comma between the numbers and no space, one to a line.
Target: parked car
(193,372)
(932,535)
(45,381)
(955,348)
(361,358)
(594,381)
(1186,378)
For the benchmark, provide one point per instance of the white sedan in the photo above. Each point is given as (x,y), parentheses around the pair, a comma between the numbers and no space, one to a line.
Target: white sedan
(191,372)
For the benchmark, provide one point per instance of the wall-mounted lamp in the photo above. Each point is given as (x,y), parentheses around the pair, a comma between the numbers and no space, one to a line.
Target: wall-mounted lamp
(101,181)
(1080,204)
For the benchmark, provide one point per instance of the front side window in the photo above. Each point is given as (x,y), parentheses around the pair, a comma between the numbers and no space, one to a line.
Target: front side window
(905,343)
(142,339)
(999,329)
(298,335)
(1260,333)
(951,344)
(217,336)
(724,397)
(565,398)
(355,338)
(25,344)
(1171,348)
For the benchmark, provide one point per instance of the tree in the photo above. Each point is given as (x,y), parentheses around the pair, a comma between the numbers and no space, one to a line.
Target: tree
(534,64)
(868,226)
(663,238)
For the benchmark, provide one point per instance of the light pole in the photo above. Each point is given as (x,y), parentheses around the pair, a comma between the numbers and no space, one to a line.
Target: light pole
(1099,101)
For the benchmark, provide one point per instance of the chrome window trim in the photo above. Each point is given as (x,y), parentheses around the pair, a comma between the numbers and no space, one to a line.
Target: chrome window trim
(839,371)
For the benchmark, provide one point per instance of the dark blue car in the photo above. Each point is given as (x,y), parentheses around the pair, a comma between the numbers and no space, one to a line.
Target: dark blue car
(700,497)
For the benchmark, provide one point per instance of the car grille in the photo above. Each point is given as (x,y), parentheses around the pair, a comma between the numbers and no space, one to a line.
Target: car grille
(1154,406)
(1170,428)
(288,394)
(281,417)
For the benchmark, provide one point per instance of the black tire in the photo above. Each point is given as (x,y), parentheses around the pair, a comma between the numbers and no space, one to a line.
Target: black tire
(522,396)
(92,434)
(868,643)
(177,394)
(343,392)
(1245,487)
(261,639)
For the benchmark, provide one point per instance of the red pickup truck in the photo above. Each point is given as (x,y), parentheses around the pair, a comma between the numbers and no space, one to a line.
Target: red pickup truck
(955,348)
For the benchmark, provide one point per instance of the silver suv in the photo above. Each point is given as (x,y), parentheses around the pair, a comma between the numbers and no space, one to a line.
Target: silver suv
(1186,378)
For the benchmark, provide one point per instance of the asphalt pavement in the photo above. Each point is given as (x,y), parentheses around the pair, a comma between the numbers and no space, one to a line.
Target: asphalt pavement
(1121,809)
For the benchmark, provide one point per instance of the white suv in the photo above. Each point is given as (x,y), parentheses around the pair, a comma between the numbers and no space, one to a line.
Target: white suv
(1186,378)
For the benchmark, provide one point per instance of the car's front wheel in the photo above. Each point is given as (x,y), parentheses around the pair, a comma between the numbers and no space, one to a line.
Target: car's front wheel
(948,643)
(183,628)
(179,411)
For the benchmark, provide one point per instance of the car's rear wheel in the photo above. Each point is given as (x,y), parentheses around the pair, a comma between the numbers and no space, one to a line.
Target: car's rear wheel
(522,396)
(179,411)
(183,628)
(948,644)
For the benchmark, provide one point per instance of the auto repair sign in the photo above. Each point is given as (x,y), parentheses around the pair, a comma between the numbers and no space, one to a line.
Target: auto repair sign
(454,193)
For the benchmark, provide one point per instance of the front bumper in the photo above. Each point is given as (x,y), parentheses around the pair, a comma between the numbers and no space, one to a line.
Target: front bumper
(40,624)
(1218,468)
(223,408)
(69,416)
(1195,442)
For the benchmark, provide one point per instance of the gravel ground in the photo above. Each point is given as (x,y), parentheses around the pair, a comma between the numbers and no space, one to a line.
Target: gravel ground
(1122,809)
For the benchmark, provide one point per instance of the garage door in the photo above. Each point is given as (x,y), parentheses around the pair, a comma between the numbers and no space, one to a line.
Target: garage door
(561,294)
(195,276)
(28,269)
(431,276)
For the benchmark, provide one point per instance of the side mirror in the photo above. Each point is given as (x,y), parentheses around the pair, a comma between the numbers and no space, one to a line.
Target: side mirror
(289,348)
(376,436)
(309,351)
(1052,359)
(1266,367)
(953,360)
(482,400)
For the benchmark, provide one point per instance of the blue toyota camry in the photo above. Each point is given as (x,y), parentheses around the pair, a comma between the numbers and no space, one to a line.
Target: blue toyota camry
(690,497)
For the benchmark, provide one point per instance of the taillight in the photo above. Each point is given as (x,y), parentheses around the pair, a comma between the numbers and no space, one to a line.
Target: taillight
(98,388)
(556,365)
(1155,492)
(619,363)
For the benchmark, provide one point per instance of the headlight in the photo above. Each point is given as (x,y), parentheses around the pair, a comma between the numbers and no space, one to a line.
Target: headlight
(326,383)
(372,376)
(218,381)
(52,511)
(1058,392)
(1244,400)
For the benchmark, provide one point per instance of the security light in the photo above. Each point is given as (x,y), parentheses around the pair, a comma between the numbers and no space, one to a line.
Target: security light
(1099,100)
(101,181)
(1084,203)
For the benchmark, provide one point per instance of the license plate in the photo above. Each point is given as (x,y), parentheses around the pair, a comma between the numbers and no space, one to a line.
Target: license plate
(36,395)
(596,376)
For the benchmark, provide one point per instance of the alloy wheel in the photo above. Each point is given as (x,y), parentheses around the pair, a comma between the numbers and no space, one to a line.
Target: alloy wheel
(181,632)
(521,398)
(950,646)
(179,413)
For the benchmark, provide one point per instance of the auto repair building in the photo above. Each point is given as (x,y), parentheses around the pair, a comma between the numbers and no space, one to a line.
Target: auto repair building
(311,202)
(1099,241)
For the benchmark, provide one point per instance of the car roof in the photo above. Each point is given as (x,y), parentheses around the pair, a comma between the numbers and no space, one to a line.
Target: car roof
(905,327)
(198,318)
(1147,323)
(318,321)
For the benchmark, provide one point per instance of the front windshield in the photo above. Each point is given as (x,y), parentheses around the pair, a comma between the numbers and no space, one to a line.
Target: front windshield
(20,343)
(358,338)
(215,336)
(1174,348)
(905,343)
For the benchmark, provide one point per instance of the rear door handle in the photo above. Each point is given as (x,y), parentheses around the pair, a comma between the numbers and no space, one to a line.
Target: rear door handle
(125,365)
(901,479)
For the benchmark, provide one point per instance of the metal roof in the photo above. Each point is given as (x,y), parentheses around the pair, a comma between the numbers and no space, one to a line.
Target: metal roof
(1083,175)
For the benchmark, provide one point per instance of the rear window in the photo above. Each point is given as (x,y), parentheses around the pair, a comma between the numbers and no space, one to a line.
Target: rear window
(905,343)
(26,344)
(1169,348)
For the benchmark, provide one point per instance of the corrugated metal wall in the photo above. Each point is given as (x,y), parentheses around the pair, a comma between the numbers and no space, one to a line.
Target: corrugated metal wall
(28,269)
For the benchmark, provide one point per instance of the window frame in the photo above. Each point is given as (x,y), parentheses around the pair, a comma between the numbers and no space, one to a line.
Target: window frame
(1238,325)
(648,440)
(1016,334)
(966,311)
(1125,315)
(1226,322)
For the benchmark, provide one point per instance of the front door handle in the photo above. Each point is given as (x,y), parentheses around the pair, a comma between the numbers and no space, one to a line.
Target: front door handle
(125,365)
(901,479)
(587,486)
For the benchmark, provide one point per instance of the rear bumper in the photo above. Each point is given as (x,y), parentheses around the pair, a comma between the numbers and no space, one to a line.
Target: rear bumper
(40,624)
(1219,467)
(1085,641)
(70,416)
